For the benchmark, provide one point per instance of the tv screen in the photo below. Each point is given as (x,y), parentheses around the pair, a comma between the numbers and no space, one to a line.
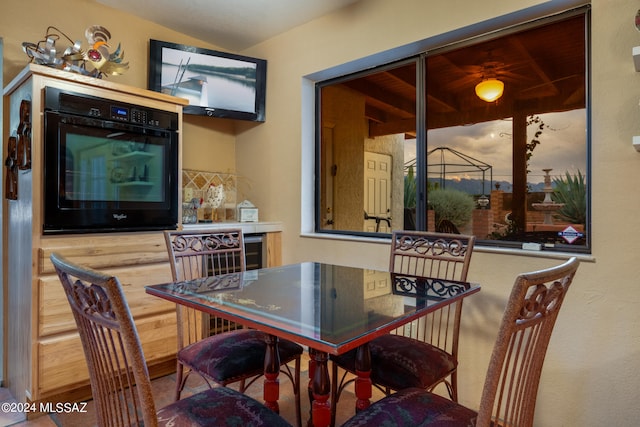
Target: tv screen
(217,84)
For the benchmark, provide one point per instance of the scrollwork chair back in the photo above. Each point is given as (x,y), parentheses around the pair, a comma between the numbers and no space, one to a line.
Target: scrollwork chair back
(513,376)
(441,256)
(196,254)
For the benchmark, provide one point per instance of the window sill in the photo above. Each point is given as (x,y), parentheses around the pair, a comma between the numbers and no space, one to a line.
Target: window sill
(477,248)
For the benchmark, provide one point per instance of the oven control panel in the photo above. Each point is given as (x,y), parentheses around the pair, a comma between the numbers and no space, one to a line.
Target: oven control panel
(106,109)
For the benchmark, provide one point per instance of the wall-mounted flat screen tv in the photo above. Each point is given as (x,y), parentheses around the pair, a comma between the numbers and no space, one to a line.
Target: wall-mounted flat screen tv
(217,84)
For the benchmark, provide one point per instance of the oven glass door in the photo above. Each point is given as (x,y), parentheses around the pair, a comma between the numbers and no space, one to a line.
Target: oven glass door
(105,175)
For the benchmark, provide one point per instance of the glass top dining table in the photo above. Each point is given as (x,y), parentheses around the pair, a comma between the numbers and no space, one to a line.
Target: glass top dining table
(329,308)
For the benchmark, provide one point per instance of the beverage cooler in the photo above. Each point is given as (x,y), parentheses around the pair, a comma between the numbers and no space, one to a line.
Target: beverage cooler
(255,250)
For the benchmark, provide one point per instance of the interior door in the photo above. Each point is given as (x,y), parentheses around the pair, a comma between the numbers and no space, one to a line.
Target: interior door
(377,192)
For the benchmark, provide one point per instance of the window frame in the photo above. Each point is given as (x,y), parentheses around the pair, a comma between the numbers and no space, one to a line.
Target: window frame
(419,52)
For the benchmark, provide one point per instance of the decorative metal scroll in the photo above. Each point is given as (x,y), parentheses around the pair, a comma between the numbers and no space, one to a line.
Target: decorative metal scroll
(215,288)
(424,287)
(425,246)
(92,300)
(190,243)
(222,283)
(541,301)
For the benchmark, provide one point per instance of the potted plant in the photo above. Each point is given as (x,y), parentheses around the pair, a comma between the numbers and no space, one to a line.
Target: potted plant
(572,192)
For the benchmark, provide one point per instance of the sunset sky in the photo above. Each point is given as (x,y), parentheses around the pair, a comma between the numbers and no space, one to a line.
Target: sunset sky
(562,145)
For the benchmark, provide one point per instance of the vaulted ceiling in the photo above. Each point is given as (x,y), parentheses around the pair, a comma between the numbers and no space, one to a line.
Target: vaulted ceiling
(233,25)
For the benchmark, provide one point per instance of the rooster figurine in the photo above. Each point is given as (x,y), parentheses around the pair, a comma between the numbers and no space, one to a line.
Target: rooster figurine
(215,198)
(215,195)
(99,56)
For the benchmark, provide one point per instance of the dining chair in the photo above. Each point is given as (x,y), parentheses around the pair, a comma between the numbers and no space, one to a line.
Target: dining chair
(118,373)
(231,354)
(423,353)
(511,385)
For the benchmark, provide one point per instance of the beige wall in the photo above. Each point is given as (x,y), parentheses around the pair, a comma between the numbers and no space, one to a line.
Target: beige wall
(591,372)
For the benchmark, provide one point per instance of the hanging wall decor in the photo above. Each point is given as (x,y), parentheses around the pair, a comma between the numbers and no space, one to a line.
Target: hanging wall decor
(11,163)
(96,61)
(18,152)
(24,136)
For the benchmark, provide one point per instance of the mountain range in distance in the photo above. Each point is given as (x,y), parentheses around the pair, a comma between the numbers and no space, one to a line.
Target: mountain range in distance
(475,186)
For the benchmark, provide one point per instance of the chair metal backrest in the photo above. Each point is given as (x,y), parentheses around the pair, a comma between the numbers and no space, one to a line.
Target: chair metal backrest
(196,254)
(442,256)
(111,346)
(513,376)
(439,255)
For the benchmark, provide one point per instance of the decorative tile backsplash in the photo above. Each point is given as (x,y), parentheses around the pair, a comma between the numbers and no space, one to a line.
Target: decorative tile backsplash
(196,183)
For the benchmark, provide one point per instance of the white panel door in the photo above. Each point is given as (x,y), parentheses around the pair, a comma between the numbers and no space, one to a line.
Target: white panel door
(377,192)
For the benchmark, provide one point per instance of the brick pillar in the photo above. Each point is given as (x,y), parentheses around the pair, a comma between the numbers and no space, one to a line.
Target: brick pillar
(497,204)
(431,220)
(482,223)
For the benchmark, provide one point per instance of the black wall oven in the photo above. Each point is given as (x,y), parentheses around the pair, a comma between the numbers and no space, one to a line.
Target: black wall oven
(109,166)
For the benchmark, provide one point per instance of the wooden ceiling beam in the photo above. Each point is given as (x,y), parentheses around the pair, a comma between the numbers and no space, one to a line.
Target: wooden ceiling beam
(441,102)
(406,126)
(391,99)
(396,75)
(535,66)
(375,114)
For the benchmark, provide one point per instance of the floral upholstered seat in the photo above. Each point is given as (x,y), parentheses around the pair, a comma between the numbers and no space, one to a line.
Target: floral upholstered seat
(222,407)
(230,356)
(414,407)
(402,362)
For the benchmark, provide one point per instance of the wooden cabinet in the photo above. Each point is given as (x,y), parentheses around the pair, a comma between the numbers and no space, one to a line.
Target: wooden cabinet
(137,260)
(43,354)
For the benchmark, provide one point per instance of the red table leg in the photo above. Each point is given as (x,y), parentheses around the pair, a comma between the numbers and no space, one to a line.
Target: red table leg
(319,386)
(363,381)
(271,389)
(312,372)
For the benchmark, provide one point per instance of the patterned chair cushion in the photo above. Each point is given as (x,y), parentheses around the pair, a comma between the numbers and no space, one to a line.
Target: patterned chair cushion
(233,354)
(221,407)
(399,362)
(414,407)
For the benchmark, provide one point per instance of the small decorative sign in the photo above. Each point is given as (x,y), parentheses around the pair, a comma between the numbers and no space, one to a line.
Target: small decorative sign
(570,234)
(247,212)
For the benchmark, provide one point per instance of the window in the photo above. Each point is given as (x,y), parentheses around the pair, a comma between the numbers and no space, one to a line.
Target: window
(411,145)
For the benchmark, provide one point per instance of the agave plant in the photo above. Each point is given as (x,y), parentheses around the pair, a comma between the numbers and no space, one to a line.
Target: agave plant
(572,191)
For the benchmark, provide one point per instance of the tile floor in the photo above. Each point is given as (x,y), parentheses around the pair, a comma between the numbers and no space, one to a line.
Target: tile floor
(163,389)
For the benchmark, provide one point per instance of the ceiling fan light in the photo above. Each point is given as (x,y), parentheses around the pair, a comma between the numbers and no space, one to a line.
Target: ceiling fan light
(489,90)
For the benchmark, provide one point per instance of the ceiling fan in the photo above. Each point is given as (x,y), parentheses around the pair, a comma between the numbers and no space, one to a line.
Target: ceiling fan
(493,68)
